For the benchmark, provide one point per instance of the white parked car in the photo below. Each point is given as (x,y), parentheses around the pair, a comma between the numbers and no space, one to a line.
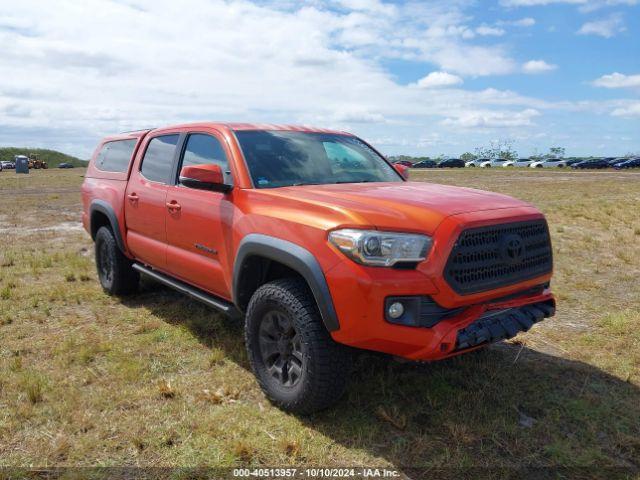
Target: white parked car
(497,162)
(522,162)
(549,163)
(476,162)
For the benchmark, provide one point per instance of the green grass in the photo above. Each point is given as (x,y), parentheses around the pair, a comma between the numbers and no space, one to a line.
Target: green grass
(157,379)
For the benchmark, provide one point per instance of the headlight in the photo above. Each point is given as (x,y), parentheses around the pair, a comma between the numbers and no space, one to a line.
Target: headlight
(382,249)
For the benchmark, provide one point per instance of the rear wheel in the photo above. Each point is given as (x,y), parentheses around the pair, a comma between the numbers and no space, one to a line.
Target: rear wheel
(115,273)
(298,365)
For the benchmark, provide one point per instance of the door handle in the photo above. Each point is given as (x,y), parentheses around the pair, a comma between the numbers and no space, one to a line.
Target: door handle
(173,206)
(133,197)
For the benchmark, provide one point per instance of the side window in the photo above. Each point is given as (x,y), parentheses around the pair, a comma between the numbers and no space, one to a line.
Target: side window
(158,159)
(206,149)
(115,156)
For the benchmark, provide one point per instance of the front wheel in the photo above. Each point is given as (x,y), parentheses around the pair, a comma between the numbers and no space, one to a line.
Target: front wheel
(298,365)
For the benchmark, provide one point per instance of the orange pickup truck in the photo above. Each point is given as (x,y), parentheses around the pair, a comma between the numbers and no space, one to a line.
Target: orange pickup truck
(319,244)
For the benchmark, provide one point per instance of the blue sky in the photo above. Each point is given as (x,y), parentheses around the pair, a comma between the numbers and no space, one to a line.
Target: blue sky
(425,78)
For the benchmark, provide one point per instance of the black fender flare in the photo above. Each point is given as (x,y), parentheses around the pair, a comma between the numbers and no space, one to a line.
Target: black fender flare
(106,209)
(295,257)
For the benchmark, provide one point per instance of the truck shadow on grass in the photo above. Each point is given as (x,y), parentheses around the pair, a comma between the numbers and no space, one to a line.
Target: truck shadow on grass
(506,406)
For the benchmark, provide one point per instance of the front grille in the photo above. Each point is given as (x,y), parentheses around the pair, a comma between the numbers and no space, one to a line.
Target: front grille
(490,257)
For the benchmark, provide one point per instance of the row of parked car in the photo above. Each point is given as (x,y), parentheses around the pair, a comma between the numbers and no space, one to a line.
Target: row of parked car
(6,165)
(576,163)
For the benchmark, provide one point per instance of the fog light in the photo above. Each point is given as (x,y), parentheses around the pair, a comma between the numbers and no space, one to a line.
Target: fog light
(396,309)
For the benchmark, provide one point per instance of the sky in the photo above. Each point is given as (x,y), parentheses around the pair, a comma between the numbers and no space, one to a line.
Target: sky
(412,77)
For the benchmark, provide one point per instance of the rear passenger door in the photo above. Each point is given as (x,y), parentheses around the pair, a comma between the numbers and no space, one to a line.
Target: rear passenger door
(199,221)
(145,202)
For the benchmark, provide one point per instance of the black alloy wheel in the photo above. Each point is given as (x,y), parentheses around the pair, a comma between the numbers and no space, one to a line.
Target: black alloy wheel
(280,348)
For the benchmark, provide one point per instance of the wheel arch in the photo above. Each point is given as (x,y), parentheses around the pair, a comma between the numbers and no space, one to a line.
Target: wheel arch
(102,214)
(256,249)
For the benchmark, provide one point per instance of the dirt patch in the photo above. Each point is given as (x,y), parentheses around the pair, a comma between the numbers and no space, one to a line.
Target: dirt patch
(64,227)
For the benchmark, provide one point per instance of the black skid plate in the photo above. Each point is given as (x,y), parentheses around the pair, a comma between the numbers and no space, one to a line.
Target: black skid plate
(494,326)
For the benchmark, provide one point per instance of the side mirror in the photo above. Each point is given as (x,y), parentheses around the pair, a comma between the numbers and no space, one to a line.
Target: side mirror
(204,177)
(402,170)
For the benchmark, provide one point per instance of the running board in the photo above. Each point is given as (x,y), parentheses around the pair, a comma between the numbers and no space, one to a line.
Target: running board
(204,297)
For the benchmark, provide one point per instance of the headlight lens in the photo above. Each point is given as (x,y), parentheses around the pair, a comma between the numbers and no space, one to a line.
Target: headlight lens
(381,249)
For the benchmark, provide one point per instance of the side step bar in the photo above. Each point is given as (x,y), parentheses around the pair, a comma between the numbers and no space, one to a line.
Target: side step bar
(204,297)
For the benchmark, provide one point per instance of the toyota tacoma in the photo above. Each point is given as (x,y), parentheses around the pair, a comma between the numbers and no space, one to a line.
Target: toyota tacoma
(318,244)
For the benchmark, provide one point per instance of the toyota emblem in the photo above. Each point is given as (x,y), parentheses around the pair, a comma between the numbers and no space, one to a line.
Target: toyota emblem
(512,248)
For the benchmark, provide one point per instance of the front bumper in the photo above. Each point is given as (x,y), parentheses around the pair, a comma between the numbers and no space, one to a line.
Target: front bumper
(466,329)
(360,294)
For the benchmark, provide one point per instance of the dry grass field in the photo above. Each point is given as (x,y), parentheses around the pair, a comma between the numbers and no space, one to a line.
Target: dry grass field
(157,379)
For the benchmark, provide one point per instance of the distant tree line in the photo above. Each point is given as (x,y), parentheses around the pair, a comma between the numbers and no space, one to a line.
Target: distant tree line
(495,149)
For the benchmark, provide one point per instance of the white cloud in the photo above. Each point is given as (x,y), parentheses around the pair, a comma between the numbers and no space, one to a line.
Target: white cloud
(367,5)
(618,80)
(486,30)
(606,27)
(538,66)
(593,5)
(92,68)
(531,3)
(473,119)
(149,63)
(524,22)
(473,60)
(439,79)
(357,116)
(585,5)
(521,22)
(631,110)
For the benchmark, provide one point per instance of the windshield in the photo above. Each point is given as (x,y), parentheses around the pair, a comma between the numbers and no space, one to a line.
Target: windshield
(285,158)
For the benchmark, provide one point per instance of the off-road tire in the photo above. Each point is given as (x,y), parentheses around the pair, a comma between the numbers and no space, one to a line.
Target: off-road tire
(115,273)
(325,364)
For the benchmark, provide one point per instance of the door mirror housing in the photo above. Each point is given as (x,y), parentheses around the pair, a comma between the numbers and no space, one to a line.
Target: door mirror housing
(403,170)
(204,177)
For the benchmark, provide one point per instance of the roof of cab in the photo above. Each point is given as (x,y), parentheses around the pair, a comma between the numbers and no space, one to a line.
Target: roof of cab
(273,126)
(255,126)
(126,135)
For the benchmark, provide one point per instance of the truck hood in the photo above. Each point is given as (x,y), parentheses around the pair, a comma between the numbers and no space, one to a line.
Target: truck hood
(416,206)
